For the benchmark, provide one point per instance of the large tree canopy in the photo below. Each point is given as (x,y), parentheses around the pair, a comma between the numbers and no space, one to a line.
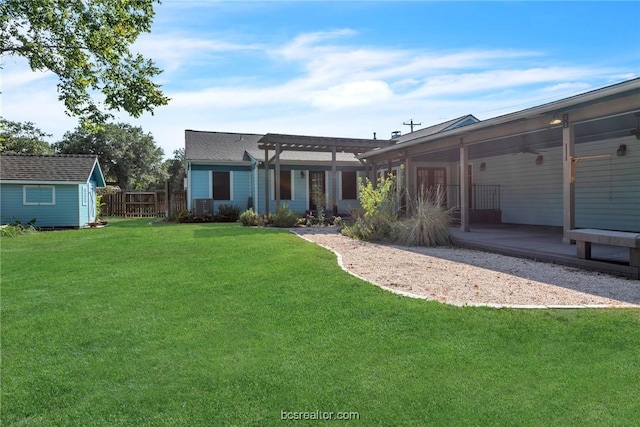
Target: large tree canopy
(86,43)
(127,155)
(23,138)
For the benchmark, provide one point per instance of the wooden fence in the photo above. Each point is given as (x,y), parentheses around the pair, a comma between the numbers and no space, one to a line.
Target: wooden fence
(143,203)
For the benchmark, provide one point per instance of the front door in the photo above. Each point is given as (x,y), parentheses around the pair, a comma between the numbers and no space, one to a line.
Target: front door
(317,190)
(428,180)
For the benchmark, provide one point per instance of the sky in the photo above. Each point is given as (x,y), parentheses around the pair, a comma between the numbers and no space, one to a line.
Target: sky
(349,69)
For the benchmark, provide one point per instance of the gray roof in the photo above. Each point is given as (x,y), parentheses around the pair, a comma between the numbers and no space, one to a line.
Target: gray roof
(440,127)
(47,168)
(221,146)
(235,147)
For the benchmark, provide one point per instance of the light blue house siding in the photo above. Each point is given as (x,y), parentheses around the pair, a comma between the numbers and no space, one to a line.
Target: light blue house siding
(607,190)
(240,179)
(300,183)
(55,206)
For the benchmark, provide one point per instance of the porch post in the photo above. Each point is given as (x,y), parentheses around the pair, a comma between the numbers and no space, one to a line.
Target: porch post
(374,174)
(334,181)
(266,182)
(276,179)
(568,179)
(407,181)
(464,187)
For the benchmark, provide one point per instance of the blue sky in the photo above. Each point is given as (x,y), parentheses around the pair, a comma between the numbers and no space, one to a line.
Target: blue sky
(353,68)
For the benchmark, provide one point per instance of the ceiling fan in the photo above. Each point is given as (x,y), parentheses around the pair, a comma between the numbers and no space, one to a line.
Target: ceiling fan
(525,149)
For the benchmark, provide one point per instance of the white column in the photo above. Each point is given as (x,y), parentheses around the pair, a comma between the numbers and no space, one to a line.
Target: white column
(334,181)
(568,179)
(276,180)
(464,187)
(267,194)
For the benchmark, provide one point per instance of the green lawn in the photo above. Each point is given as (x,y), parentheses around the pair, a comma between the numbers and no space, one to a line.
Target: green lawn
(215,324)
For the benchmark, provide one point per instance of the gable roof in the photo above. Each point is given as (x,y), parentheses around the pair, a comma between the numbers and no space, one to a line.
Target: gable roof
(241,147)
(63,168)
(440,127)
(221,146)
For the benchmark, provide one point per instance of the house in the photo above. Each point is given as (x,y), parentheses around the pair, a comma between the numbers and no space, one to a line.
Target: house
(572,163)
(263,171)
(306,172)
(58,191)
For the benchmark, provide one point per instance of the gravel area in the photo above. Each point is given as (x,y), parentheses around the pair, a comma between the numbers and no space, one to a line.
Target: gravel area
(467,277)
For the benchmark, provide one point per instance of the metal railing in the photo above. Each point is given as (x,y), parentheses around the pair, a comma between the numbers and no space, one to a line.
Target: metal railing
(482,197)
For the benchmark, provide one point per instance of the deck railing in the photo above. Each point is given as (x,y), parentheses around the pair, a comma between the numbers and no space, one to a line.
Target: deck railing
(482,197)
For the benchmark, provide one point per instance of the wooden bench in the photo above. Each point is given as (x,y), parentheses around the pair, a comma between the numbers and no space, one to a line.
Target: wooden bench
(584,237)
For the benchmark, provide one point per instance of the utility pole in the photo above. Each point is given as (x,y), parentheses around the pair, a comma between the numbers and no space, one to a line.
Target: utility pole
(411,124)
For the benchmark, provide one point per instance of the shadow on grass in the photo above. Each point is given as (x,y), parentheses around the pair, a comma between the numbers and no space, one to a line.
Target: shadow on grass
(206,231)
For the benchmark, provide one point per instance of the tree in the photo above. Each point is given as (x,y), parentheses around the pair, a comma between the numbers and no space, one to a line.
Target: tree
(23,138)
(127,155)
(86,43)
(175,169)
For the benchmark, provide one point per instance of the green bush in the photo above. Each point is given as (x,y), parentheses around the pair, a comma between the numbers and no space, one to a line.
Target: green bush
(380,208)
(284,217)
(228,213)
(250,219)
(18,228)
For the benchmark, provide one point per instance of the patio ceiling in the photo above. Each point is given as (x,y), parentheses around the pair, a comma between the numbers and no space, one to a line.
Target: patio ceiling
(610,127)
(602,114)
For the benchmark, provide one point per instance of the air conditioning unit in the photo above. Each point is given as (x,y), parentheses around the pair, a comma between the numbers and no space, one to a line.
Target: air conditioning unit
(203,206)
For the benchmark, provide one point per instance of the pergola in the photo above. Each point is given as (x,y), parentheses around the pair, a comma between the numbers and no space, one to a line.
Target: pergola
(279,143)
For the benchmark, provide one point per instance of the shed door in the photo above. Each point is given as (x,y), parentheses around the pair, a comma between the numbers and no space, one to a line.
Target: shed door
(92,203)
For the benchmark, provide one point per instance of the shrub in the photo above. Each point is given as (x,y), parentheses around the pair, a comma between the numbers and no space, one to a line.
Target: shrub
(250,219)
(17,228)
(10,230)
(380,207)
(428,222)
(284,217)
(228,213)
(190,217)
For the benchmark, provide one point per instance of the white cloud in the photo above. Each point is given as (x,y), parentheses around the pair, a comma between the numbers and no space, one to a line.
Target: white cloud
(318,83)
(352,94)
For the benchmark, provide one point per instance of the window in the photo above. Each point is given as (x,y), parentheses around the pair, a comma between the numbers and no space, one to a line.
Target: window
(285,185)
(349,186)
(85,195)
(221,185)
(38,195)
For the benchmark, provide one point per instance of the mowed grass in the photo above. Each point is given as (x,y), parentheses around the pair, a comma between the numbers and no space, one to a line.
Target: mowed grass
(194,324)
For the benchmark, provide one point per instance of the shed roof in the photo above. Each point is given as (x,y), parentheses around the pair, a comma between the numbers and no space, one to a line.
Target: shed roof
(64,168)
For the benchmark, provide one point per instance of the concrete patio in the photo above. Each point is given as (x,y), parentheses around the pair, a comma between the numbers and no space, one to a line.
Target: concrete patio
(543,244)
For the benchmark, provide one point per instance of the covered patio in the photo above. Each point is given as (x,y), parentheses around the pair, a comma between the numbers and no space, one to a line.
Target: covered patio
(566,165)
(542,243)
